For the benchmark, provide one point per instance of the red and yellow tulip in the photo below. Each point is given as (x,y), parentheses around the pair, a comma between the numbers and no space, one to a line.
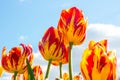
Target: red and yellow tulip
(1,70)
(98,63)
(73,25)
(64,58)
(15,60)
(76,77)
(38,74)
(51,45)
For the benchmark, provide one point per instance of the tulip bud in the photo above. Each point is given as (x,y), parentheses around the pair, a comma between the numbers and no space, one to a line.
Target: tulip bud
(73,25)
(50,45)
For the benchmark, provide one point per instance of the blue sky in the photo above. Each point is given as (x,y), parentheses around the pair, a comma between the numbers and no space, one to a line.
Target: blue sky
(25,21)
(30,18)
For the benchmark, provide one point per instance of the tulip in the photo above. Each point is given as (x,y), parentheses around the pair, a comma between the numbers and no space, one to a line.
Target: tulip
(65,76)
(15,60)
(98,63)
(19,77)
(73,26)
(51,46)
(76,77)
(62,60)
(37,73)
(1,70)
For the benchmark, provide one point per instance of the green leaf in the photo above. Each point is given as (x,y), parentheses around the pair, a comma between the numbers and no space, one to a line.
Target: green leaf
(30,71)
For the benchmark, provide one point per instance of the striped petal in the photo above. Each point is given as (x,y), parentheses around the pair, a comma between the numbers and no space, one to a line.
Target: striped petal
(73,25)
(64,58)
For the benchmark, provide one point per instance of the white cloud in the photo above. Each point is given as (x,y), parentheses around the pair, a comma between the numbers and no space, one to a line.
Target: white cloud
(28,1)
(118,66)
(21,38)
(21,0)
(66,5)
(107,29)
(6,76)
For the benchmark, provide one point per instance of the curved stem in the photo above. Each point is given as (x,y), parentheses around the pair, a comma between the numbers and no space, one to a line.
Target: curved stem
(60,70)
(70,60)
(15,74)
(48,69)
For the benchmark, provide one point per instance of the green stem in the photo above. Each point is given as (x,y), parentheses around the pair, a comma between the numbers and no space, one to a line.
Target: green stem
(15,74)
(48,69)
(60,70)
(70,60)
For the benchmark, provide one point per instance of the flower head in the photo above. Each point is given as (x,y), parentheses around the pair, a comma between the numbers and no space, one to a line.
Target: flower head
(97,63)
(51,45)
(15,60)
(73,25)
(76,77)
(38,73)
(64,58)
(1,70)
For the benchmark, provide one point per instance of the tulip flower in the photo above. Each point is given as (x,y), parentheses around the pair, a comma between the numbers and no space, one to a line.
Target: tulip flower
(76,77)
(19,77)
(65,76)
(1,70)
(15,60)
(98,63)
(38,74)
(73,26)
(51,46)
(62,60)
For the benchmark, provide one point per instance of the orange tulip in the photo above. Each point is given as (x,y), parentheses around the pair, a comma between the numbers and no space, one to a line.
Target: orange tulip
(64,58)
(15,60)
(1,70)
(76,77)
(19,77)
(73,25)
(51,45)
(65,76)
(97,63)
(38,74)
